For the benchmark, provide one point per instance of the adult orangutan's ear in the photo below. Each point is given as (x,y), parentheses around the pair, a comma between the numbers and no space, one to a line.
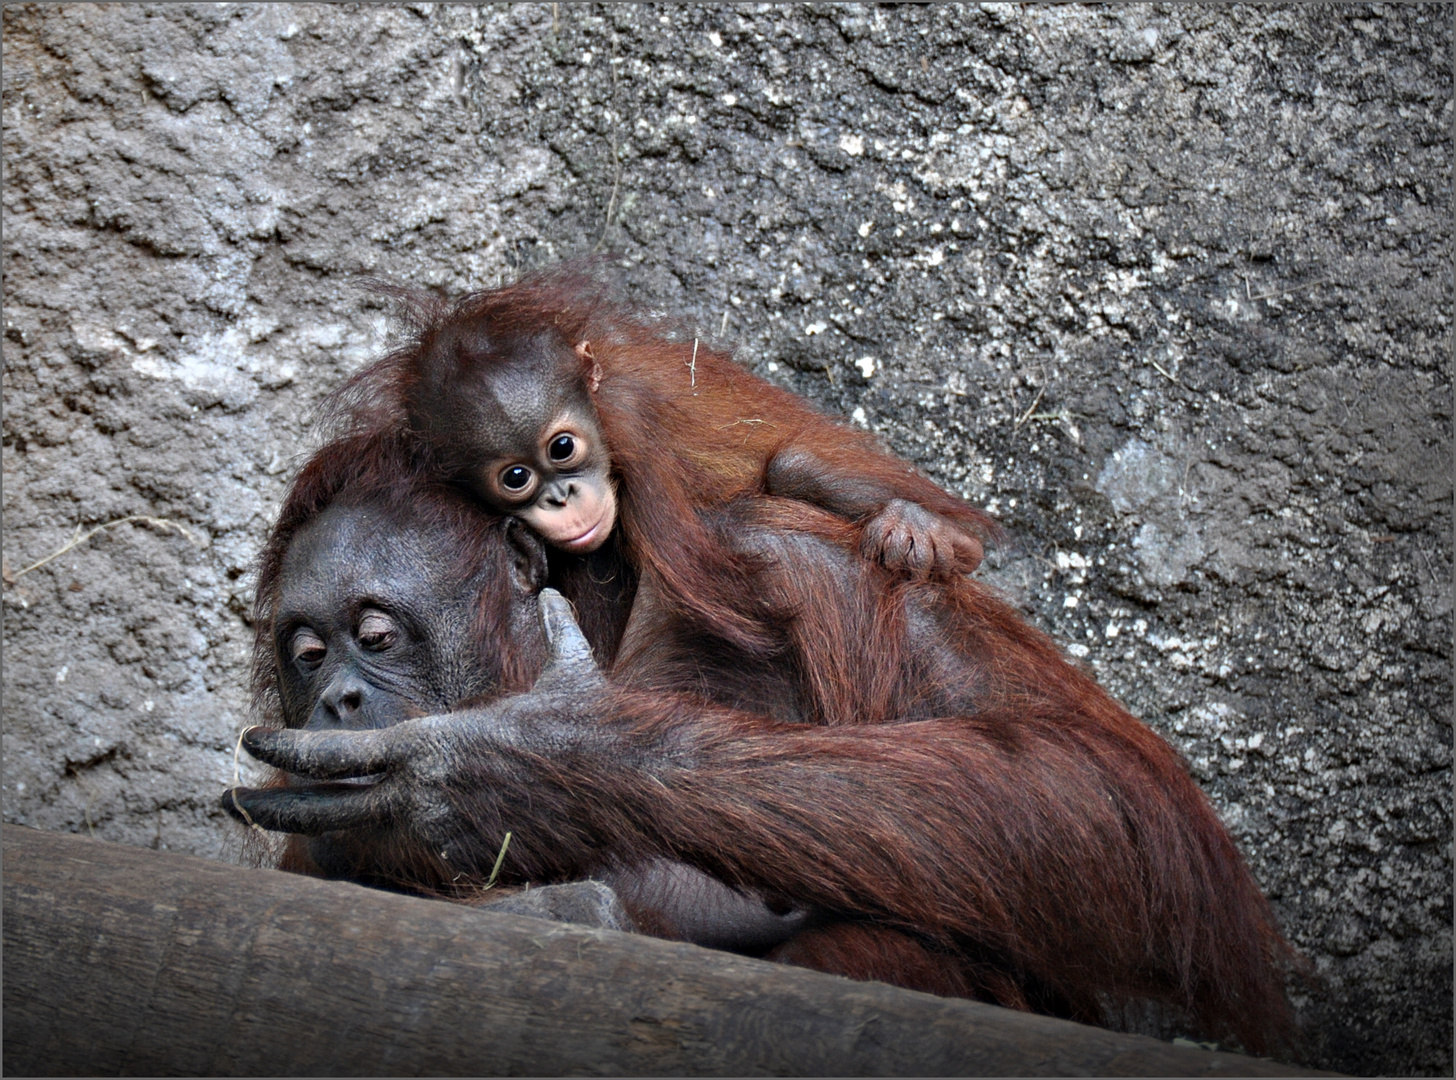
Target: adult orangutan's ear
(589,365)
(528,557)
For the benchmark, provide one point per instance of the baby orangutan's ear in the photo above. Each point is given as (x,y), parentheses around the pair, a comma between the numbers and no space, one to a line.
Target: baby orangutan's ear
(594,375)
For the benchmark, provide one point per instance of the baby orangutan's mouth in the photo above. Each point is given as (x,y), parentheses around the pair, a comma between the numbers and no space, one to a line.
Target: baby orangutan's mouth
(589,540)
(579,527)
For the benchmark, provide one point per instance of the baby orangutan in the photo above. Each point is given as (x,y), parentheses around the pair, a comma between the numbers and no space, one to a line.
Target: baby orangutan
(555,405)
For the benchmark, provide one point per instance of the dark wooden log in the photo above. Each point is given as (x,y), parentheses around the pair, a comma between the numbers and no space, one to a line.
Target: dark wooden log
(121,961)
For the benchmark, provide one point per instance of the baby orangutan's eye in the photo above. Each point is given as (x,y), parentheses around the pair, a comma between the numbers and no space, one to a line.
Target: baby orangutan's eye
(376,630)
(308,648)
(562,448)
(516,478)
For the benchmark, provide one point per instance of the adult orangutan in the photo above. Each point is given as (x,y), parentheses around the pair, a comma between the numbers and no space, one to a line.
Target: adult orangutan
(954,806)
(391,597)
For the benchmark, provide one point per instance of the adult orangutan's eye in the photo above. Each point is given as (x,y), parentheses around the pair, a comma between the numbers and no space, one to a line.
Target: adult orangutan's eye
(376,631)
(562,448)
(308,648)
(515,478)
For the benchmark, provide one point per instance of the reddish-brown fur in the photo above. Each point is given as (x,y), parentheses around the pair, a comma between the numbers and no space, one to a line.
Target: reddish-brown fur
(974,814)
(687,427)
(1038,845)
(988,823)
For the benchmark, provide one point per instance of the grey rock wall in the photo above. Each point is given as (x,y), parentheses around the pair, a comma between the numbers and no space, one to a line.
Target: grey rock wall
(1168,288)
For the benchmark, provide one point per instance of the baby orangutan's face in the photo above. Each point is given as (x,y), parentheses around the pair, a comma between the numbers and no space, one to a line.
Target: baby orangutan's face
(558,483)
(523,435)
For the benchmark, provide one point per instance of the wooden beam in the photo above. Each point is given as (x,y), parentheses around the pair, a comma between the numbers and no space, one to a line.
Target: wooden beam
(120,960)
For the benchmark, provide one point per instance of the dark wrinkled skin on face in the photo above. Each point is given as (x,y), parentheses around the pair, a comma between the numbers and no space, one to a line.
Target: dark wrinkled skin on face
(354,567)
(416,762)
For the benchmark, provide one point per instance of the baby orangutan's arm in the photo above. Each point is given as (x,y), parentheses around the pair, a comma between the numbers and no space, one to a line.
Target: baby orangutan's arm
(899,529)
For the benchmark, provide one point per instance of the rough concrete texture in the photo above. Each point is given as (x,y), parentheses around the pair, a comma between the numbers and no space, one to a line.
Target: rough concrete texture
(1167,288)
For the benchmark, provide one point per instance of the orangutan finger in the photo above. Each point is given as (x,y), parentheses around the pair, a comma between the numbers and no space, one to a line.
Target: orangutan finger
(311,810)
(324,755)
